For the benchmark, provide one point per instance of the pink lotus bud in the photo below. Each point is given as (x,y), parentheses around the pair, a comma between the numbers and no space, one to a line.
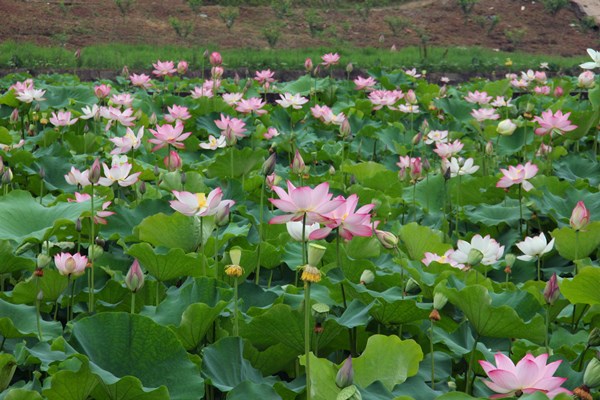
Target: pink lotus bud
(134,280)
(14,116)
(125,71)
(222,215)
(540,76)
(580,217)
(345,128)
(172,161)
(387,239)
(349,68)
(77,54)
(345,375)
(298,166)
(416,168)
(215,59)
(216,72)
(411,97)
(308,65)
(236,79)
(558,91)
(102,91)
(268,166)
(489,148)
(182,67)
(586,80)
(551,291)
(153,119)
(95,172)
(393,48)
(272,180)
(417,138)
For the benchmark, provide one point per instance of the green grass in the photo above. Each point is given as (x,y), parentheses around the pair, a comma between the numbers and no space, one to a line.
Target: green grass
(140,57)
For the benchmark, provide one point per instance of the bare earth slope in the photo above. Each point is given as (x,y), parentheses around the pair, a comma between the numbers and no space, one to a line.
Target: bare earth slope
(521,25)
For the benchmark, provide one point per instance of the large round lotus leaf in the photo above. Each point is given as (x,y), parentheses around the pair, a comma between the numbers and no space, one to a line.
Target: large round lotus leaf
(122,344)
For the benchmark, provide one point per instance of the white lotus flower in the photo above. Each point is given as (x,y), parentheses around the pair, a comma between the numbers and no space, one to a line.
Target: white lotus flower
(294,228)
(491,250)
(533,247)
(596,60)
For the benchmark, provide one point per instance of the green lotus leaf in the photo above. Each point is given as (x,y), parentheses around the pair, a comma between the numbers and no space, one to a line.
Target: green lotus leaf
(387,359)
(322,378)
(52,285)
(244,161)
(497,214)
(577,166)
(138,347)
(196,320)
(421,239)
(21,394)
(175,231)
(250,390)
(128,218)
(357,314)
(10,262)
(164,264)
(63,96)
(24,218)
(224,364)
(574,245)
(74,381)
(583,288)
(20,320)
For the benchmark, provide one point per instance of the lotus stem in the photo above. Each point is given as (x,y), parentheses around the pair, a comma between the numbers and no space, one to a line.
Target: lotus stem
(156,301)
(236,329)
(70,303)
(132,311)
(260,229)
(432,355)
(468,379)
(201,247)
(521,211)
(92,305)
(547,332)
(307,337)
(539,268)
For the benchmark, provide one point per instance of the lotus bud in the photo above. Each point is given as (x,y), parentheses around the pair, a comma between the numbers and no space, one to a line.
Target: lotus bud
(387,239)
(8,366)
(439,300)
(367,277)
(40,296)
(591,376)
(125,72)
(426,164)
(489,148)
(586,80)
(215,59)
(417,139)
(308,65)
(315,254)
(7,176)
(411,97)
(236,79)
(349,68)
(216,72)
(319,312)
(580,217)
(94,172)
(349,393)
(345,375)
(412,286)
(42,172)
(156,170)
(102,91)
(98,251)
(100,242)
(14,116)
(183,177)
(551,291)
(594,338)
(393,48)
(298,166)
(134,280)
(222,215)
(345,128)
(506,127)
(78,224)
(153,119)
(43,260)
(143,187)
(182,67)
(510,259)
(331,170)
(474,258)
(272,180)
(434,315)
(558,91)
(268,166)
(206,54)
(172,161)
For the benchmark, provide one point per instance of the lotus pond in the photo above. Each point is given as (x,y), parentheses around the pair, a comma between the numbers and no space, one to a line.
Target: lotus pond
(383,237)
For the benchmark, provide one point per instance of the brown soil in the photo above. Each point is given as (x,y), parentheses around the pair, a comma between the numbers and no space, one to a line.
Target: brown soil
(78,23)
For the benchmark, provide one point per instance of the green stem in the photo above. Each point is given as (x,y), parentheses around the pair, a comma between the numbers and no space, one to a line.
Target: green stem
(260,229)
(547,329)
(521,210)
(236,330)
(157,301)
(38,319)
(307,337)
(70,302)
(576,249)
(132,311)
(201,246)
(470,368)
(432,355)
(539,268)
(231,161)
(92,305)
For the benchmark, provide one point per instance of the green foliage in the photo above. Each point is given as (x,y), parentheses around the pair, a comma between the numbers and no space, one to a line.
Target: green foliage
(397,24)
(182,28)
(466,6)
(554,6)
(229,15)
(194,5)
(272,33)
(282,8)
(124,6)
(515,35)
(315,22)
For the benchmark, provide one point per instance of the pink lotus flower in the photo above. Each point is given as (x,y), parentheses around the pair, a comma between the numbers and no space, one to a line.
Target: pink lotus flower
(478,97)
(68,264)
(412,164)
(231,128)
(484,114)
(412,72)
(119,173)
(553,123)
(30,95)
(76,177)
(530,375)
(298,202)
(436,137)
(129,141)
(446,150)
(164,68)
(232,98)
(20,87)
(177,113)
(580,217)
(365,83)
(408,108)
(443,259)
(288,100)
(385,98)
(542,90)
(122,99)
(271,133)
(169,135)
(203,91)
(141,80)
(264,77)
(214,143)
(124,117)
(62,118)
(102,91)
(330,59)
(349,221)
(518,175)
(253,104)
(500,101)
(198,205)
(88,112)
(99,216)
(182,67)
